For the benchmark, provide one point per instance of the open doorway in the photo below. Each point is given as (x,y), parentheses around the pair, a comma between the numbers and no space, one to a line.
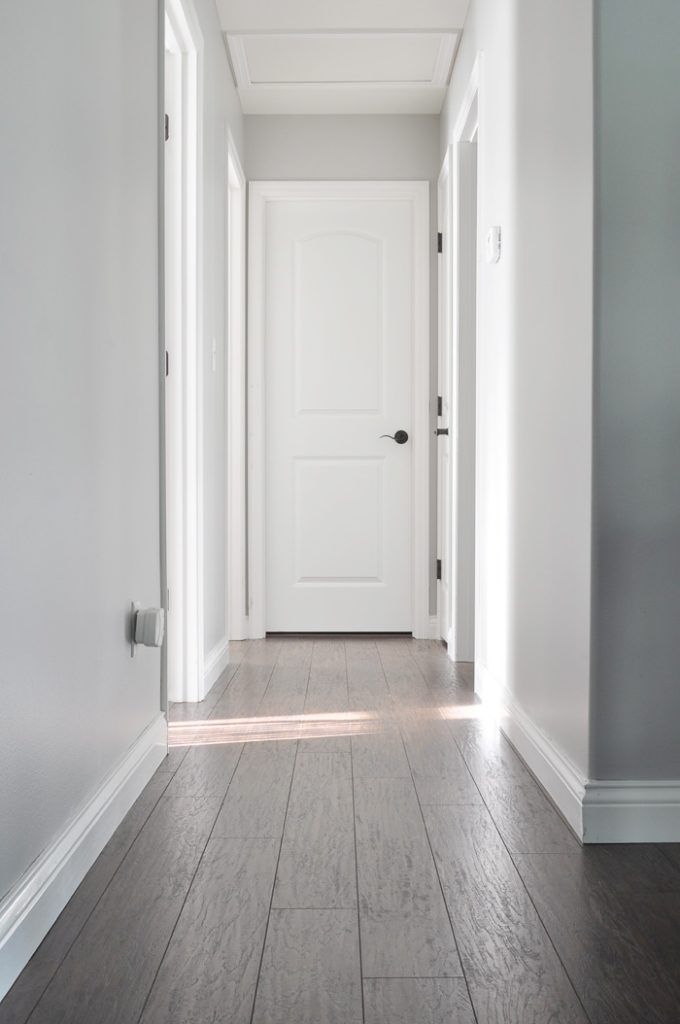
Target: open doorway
(183,400)
(459,226)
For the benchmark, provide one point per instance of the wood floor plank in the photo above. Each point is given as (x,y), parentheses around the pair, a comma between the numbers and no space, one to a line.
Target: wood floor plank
(206,771)
(243,695)
(17,1005)
(425,1000)
(109,970)
(310,969)
(210,970)
(379,755)
(263,652)
(317,864)
(440,773)
(327,689)
(672,852)
(285,695)
(315,738)
(366,684)
(612,939)
(255,805)
(412,941)
(405,928)
(404,680)
(387,808)
(295,652)
(511,967)
(520,809)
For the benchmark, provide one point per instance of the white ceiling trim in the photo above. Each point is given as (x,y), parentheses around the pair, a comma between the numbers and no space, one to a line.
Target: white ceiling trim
(334,99)
(400,96)
(247,16)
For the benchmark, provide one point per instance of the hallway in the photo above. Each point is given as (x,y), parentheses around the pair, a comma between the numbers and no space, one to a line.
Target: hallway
(340,834)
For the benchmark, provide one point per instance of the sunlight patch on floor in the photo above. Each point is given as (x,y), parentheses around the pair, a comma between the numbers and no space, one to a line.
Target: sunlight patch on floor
(303,727)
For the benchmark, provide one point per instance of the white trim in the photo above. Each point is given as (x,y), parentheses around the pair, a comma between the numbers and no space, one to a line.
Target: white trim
(562,780)
(30,909)
(260,193)
(342,97)
(445,521)
(465,323)
(434,633)
(599,811)
(632,811)
(215,663)
(185,466)
(237,626)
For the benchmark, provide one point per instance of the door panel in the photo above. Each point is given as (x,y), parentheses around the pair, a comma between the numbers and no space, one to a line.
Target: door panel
(339,332)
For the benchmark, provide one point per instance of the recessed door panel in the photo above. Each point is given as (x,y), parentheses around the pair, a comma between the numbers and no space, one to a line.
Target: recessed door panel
(338,329)
(338,517)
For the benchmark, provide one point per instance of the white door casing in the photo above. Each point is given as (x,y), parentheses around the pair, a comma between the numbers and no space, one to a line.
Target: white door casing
(446,418)
(338,355)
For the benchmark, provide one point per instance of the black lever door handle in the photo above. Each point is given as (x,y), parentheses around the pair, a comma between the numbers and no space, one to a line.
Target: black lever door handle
(441,430)
(401,437)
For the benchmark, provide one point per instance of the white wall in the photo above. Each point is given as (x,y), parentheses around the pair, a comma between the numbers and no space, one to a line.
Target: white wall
(79,523)
(357,147)
(222,111)
(636,699)
(534,357)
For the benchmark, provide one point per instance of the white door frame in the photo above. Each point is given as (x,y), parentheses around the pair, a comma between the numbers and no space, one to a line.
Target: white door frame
(447,419)
(237,623)
(261,193)
(183,432)
(465,321)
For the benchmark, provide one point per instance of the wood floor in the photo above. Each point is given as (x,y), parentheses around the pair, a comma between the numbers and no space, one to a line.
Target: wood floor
(341,835)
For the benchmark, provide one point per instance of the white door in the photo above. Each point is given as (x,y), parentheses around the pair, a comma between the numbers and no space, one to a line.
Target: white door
(339,328)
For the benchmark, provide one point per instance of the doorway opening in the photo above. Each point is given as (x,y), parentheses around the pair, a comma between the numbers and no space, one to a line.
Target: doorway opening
(458,319)
(183,393)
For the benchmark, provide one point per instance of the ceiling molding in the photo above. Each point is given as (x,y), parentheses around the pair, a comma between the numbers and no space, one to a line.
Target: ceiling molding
(411,71)
(250,16)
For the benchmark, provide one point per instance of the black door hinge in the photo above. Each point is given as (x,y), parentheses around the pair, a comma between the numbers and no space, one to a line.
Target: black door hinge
(167,363)
(440,242)
(439,568)
(167,127)
(439,405)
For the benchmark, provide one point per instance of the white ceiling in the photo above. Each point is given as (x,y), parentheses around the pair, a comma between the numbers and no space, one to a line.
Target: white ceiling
(345,57)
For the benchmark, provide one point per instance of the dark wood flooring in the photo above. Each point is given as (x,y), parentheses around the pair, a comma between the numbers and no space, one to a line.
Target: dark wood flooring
(340,835)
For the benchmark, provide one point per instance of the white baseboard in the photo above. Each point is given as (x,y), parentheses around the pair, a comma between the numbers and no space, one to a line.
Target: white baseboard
(556,773)
(215,664)
(630,811)
(599,811)
(434,628)
(32,906)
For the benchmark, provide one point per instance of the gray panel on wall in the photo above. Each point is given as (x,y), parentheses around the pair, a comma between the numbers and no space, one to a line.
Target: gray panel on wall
(636,692)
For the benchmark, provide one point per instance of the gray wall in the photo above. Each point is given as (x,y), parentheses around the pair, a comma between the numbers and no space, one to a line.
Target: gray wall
(79,524)
(636,681)
(357,147)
